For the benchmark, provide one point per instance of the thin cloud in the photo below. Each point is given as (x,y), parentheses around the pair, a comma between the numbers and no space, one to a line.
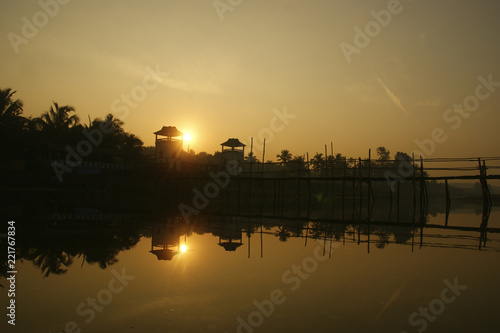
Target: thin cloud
(193,86)
(392,96)
(430,103)
(391,300)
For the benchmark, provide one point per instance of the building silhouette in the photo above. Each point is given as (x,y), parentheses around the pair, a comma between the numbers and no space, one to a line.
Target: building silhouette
(233,149)
(168,145)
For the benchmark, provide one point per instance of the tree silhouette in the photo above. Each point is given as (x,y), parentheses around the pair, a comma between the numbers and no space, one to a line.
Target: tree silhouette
(131,145)
(12,125)
(251,158)
(10,109)
(384,154)
(383,239)
(284,157)
(318,162)
(297,163)
(50,260)
(283,233)
(58,118)
(59,125)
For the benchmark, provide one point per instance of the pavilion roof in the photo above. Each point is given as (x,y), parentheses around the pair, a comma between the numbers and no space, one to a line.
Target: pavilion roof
(233,143)
(229,246)
(170,131)
(164,254)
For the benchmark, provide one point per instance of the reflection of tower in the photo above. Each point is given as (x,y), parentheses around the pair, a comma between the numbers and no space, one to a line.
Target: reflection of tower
(230,235)
(169,148)
(235,150)
(167,236)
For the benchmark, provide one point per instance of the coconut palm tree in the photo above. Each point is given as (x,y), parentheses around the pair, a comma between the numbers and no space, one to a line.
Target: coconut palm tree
(318,162)
(59,118)
(115,122)
(10,109)
(251,158)
(284,157)
(130,144)
(12,125)
(50,260)
(283,233)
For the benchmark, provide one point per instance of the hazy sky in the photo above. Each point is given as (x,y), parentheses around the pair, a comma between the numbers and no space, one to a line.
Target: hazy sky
(231,69)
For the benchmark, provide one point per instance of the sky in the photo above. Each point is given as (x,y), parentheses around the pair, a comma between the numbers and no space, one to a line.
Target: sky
(302,74)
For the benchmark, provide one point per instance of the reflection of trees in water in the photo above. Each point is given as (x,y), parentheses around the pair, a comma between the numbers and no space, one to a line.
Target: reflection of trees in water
(283,233)
(327,230)
(317,230)
(54,250)
(50,260)
(102,249)
(401,234)
(383,239)
(337,231)
(4,268)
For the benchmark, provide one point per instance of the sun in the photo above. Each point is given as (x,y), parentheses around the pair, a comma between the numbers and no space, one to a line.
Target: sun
(183,248)
(187,137)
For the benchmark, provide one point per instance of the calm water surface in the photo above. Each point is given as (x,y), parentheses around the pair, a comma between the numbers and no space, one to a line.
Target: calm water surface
(237,274)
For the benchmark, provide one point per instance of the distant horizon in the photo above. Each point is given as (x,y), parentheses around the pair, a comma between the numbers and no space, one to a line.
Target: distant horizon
(258,142)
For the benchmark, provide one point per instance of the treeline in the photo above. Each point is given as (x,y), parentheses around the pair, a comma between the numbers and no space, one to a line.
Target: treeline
(54,248)
(401,165)
(59,130)
(59,133)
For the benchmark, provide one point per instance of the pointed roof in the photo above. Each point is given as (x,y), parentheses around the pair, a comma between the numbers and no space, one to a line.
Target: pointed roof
(230,246)
(170,131)
(165,254)
(233,143)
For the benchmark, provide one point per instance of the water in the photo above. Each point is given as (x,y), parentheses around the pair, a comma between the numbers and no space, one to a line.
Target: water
(243,274)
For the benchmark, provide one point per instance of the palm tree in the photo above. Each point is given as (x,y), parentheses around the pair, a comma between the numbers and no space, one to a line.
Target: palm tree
(115,122)
(13,140)
(58,119)
(298,163)
(318,162)
(283,233)
(284,157)
(130,144)
(50,260)
(10,109)
(251,158)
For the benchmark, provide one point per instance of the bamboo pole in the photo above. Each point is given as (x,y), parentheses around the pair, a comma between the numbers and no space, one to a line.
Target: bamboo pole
(250,178)
(448,201)
(360,188)
(308,187)
(343,188)
(369,179)
(298,190)
(262,178)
